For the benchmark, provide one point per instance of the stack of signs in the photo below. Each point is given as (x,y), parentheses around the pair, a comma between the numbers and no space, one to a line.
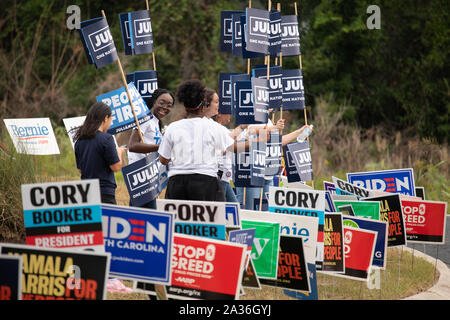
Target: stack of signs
(293,90)
(225,92)
(391,212)
(197,218)
(257,163)
(260,89)
(140,242)
(142,180)
(55,274)
(290,38)
(275,83)
(395,181)
(136,32)
(301,202)
(122,114)
(10,277)
(333,242)
(146,82)
(98,42)
(63,214)
(32,136)
(301,154)
(425,220)
(206,268)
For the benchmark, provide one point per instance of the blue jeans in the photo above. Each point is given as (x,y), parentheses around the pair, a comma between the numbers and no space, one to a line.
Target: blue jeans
(252,193)
(229,192)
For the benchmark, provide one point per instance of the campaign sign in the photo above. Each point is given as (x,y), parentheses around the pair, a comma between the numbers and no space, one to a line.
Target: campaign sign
(425,220)
(32,136)
(273,154)
(329,205)
(60,274)
(364,209)
(391,212)
(246,54)
(381,228)
(257,163)
(265,247)
(63,214)
(275,33)
(236,34)
(10,277)
(260,89)
(329,186)
(232,214)
(360,192)
(140,242)
(258,30)
(333,242)
(249,278)
(290,37)
(226,29)
(197,218)
(98,42)
(241,168)
(292,270)
(126,33)
(275,84)
(146,82)
(395,181)
(245,236)
(225,92)
(122,114)
(71,124)
(359,248)
(301,154)
(305,295)
(142,180)
(244,109)
(293,90)
(420,192)
(141,36)
(289,165)
(234,78)
(206,268)
(291,225)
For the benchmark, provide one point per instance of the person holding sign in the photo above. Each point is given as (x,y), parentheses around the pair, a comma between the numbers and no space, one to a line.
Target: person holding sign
(96,154)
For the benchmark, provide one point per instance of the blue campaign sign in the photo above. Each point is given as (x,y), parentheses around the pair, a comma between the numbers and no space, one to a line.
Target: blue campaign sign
(126,38)
(137,33)
(293,90)
(225,92)
(260,89)
(258,30)
(10,277)
(244,109)
(122,114)
(275,33)
(290,38)
(232,214)
(381,227)
(234,78)
(226,29)
(273,154)
(329,204)
(275,84)
(142,180)
(246,54)
(98,42)
(146,82)
(140,242)
(257,163)
(243,236)
(241,167)
(289,164)
(236,34)
(395,181)
(301,154)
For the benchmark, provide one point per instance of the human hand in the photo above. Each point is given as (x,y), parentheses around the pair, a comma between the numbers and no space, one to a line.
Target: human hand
(280,124)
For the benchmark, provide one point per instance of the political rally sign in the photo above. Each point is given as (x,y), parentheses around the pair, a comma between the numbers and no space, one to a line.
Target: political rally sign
(98,42)
(258,30)
(140,242)
(425,220)
(232,215)
(275,83)
(63,214)
(360,192)
(225,92)
(236,34)
(226,29)
(241,169)
(275,33)
(301,154)
(197,218)
(122,114)
(265,247)
(249,278)
(244,109)
(329,186)
(32,135)
(347,210)
(292,270)
(291,225)
(260,89)
(137,32)
(420,192)
(381,243)
(146,82)
(71,124)
(257,163)
(62,274)
(365,209)
(245,237)
(359,248)
(329,205)
(10,277)
(234,78)
(206,268)
(391,212)
(333,241)
(290,37)
(273,154)
(395,181)
(313,294)
(246,54)
(293,90)
(291,170)
(142,180)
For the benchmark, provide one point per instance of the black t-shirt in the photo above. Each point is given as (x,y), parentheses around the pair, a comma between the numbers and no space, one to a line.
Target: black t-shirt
(94,156)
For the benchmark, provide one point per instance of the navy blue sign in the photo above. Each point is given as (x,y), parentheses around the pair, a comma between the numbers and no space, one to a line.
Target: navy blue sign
(275,84)
(140,242)
(98,42)
(275,33)
(245,111)
(258,30)
(142,180)
(273,154)
(146,82)
(225,92)
(226,29)
(289,164)
(301,154)
(241,169)
(136,32)
(246,54)
(10,277)
(260,89)
(234,96)
(257,163)
(290,38)
(293,90)
(236,34)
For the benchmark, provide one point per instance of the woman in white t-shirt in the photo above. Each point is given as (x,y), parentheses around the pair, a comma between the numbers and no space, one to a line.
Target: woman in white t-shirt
(190,148)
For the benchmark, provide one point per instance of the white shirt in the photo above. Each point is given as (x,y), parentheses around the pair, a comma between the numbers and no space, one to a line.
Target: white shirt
(193,146)
(151,134)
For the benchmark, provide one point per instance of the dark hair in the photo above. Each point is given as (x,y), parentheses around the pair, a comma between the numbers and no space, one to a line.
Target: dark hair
(191,93)
(209,94)
(94,118)
(158,92)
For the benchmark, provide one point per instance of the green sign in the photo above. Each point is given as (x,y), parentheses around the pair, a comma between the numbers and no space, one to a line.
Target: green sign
(265,247)
(366,209)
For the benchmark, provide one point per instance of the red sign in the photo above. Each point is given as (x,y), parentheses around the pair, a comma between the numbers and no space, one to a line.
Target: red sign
(204,268)
(359,246)
(424,220)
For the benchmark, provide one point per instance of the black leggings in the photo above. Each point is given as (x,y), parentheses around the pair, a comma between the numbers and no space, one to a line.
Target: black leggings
(108,198)
(194,187)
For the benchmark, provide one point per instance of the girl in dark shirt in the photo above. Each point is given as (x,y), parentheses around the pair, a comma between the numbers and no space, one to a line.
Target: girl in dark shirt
(95,151)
